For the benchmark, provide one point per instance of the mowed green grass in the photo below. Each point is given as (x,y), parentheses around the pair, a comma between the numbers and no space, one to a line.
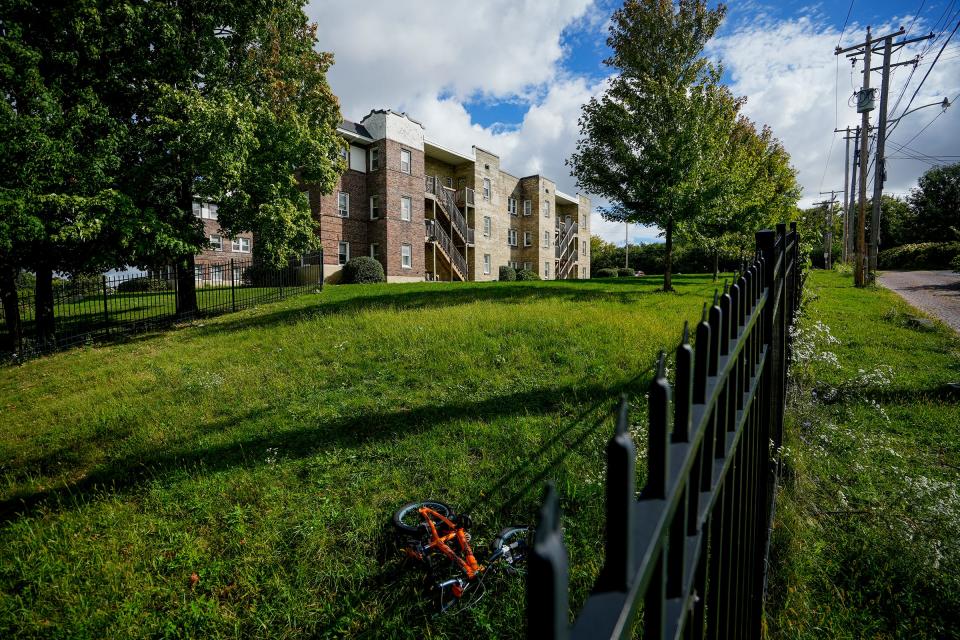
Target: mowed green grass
(265,451)
(867,537)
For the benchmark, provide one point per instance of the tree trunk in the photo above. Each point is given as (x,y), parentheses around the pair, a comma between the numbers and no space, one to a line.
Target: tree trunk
(43,299)
(10,342)
(716,264)
(668,262)
(186,286)
(186,278)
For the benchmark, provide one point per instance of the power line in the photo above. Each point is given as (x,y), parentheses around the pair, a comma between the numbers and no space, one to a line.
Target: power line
(847,19)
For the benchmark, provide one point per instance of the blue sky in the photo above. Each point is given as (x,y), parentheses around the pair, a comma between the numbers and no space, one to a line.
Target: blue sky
(512,75)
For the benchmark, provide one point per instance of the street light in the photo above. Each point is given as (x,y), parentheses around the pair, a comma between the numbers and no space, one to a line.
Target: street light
(943,105)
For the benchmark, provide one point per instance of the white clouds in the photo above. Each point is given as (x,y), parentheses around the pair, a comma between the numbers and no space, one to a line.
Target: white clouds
(794,83)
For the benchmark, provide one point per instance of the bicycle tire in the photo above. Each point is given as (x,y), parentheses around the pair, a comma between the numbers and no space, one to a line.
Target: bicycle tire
(512,535)
(412,507)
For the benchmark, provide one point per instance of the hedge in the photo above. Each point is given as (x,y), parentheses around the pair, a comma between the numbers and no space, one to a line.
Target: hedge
(925,255)
(363,270)
(606,273)
(955,263)
(507,274)
(526,274)
(626,272)
(143,284)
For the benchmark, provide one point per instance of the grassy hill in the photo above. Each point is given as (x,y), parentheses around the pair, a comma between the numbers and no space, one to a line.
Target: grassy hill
(234,477)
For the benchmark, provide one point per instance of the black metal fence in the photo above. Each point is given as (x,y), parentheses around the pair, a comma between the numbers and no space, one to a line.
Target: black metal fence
(87,309)
(693,547)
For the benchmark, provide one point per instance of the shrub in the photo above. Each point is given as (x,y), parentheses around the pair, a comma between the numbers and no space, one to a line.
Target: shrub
(525,275)
(507,274)
(606,273)
(955,263)
(363,270)
(626,272)
(142,284)
(925,255)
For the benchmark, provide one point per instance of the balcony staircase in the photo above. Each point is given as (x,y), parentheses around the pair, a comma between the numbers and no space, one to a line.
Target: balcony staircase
(436,234)
(566,252)
(447,200)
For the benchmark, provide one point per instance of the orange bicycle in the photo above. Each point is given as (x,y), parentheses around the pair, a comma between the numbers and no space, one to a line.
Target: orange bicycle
(434,535)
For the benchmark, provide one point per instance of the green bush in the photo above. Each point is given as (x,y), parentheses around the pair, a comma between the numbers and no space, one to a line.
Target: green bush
(626,272)
(606,273)
(507,274)
(363,270)
(925,255)
(525,275)
(142,284)
(955,263)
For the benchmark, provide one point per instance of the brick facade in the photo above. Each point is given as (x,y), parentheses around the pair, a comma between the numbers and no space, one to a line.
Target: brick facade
(389,135)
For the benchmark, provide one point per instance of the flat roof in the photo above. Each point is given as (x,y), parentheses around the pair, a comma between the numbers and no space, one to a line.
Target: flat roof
(562,196)
(445,154)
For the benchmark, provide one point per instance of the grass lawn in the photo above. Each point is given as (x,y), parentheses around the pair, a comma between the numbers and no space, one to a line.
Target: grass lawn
(867,538)
(264,451)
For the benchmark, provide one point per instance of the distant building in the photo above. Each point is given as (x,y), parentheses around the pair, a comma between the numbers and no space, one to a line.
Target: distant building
(211,264)
(431,213)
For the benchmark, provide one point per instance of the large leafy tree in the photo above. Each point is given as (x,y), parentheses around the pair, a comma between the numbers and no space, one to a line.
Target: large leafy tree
(648,143)
(752,186)
(230,102)
(935,205)
(61,150)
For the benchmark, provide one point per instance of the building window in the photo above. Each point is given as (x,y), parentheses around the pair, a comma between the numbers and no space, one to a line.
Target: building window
(546,269)
(583,273)
(241,245)
(582,220)
(486,264)
(375,251)
(344,154)
(583,247)
(404,161)
(546,208)
(205,210)
(527,238)
(216,242)
(343,252)
(406,208)
(374,207)
(486,188)
(343,204)
(406,256)
(461,183)
(448,182)
(512,206)
(527,207)
(512,237)
(546,239)
(374,159)
(526,266)
(486,226)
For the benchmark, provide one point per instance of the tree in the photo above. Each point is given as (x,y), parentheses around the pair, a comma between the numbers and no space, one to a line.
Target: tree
(231,103)
(648,142)
(60,154)
(897,222)
(752,185)
(935,205)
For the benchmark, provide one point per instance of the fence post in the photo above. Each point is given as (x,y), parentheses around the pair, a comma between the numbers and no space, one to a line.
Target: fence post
(321,269)
(619,560)
(547,597)
(233,286)
(106,313)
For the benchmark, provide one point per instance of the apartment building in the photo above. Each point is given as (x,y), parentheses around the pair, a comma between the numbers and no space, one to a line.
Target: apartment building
(211,263)
(427,212)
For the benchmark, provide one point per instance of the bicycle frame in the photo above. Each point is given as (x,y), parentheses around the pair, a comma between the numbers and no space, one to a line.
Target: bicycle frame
(469,563)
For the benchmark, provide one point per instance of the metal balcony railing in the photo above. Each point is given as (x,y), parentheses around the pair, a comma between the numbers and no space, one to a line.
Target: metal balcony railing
(466,196)
(446,197)
(436,233)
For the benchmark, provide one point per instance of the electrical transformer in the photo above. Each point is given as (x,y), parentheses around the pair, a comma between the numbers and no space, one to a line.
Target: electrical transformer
(866,100)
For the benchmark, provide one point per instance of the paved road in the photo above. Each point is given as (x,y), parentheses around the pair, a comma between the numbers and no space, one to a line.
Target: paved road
(936,292)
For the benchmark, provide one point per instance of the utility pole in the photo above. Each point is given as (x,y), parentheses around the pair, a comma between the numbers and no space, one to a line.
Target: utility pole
(865,105)
(828,227)
(626,245)
(852,204)
(844,256)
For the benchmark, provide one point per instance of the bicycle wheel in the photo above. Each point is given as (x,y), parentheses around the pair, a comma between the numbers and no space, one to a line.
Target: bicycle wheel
(512,544)
(408,519)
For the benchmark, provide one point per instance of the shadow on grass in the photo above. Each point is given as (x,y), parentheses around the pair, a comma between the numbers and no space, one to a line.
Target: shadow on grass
(442,295)
(129,473)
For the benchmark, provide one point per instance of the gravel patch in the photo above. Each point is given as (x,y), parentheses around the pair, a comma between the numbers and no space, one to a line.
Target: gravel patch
(936,292)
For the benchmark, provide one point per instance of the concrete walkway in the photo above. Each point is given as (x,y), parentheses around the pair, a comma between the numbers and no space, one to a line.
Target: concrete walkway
(936,292)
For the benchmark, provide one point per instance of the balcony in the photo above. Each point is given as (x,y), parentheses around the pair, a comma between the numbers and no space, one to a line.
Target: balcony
(466,197)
